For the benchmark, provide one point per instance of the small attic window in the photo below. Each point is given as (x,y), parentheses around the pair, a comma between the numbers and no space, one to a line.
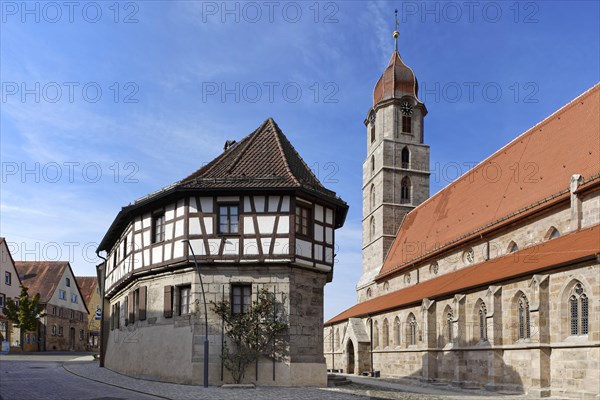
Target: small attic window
(67,282)
(512,247)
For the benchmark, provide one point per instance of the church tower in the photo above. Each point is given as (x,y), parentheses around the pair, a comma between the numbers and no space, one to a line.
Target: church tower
(396,170)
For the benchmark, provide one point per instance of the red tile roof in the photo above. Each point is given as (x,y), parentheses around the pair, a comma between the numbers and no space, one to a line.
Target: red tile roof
(41,277)
(87,285)
(530,170)
(562,251)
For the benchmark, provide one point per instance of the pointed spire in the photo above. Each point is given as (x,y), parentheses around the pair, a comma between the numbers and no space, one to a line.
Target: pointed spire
(396,33)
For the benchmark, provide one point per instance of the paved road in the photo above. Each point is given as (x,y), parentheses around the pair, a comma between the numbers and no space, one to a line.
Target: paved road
(47,380)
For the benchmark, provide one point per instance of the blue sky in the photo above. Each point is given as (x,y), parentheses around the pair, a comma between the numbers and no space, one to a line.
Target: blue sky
(102,104)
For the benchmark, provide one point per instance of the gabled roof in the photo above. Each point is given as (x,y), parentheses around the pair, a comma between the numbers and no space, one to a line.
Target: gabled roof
(87,286)
(43,277)
(5,244)
(568,249)
(531,170)
(263,160)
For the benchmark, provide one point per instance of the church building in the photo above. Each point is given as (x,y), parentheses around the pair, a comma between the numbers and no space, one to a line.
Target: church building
(493,282)
(254,218)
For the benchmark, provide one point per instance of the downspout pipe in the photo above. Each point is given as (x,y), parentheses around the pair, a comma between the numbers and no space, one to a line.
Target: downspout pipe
(100,274)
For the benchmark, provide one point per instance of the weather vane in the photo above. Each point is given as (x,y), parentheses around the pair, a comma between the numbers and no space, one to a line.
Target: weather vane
(396,33)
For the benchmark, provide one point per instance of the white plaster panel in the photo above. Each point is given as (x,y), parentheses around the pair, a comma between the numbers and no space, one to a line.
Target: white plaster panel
(195,226)
(303,248)
(232,247)
(146,221)
(146,237)
(281,246)
(146,257)
(137,241)
(329,255)
(259,203)
(318,213)
(283,226)
(179,228)
(193,206)
(178,249)
(273,203)
(197,246)
(180,208)
(213,246)
(208,225)
(247,207)
(329,216)
(266,224)
(266,244)
(138,223)
(248,226)
(169,231)
(285,204)
(206,203)
(157,255)
(329,235)
(250,247)
(137,260)
(170,212)
(318,252)
(167,255)
(318,233)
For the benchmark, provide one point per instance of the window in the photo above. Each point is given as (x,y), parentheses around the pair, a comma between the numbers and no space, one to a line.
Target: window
(81,316)
(62,294)
(397,331)
(482,322)
(228,218)
(54,310)
(81,334)
(337,338)
(386,333)
(67,282)
(372,133)
(73,298)
(375,335)
(553,233)
(372,228)
(405,158)
(372,163)
(449,324)
(125,247)
(369,293)
(60,331)
(512,247)
(302,220)
(578,304)
(184,299)
(53,330)
(469,256)
(7,278)
(2,299)
(372,197)
(241,297)
(27,338)
(406,124)
(158,228)
(72,314)
(412,329)
(405,190)
(60,312)
(523,314)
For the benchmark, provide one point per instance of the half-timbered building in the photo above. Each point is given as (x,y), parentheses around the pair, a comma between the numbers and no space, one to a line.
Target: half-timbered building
(493,282)
(256,217)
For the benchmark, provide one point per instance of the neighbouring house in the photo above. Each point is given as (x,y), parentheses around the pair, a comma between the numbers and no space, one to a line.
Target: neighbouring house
(90,292)
(65,324)
(256,217)
(9,289)
(493,282)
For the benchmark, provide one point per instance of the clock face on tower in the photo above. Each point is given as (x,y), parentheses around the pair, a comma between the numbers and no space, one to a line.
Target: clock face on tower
(406,108)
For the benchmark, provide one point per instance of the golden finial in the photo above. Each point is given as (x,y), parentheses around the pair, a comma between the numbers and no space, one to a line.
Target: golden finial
(396,33)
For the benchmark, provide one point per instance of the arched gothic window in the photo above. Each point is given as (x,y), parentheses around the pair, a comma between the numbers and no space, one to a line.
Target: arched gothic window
(397,331)
(405,190)
(386,333)
(483,322)
(578,307)
(449,324)
(412,330)
(405,158)
(553,233)
(337,338)
(372,163)
(372,197)
(369,293)
(375,335)
(372,228)
(523,318)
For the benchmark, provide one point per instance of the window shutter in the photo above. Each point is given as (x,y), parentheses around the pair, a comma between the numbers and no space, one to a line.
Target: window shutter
(130,306)
(142,303)
(168,303)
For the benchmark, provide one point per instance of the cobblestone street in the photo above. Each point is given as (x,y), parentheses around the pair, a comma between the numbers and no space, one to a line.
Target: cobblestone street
(74,377)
